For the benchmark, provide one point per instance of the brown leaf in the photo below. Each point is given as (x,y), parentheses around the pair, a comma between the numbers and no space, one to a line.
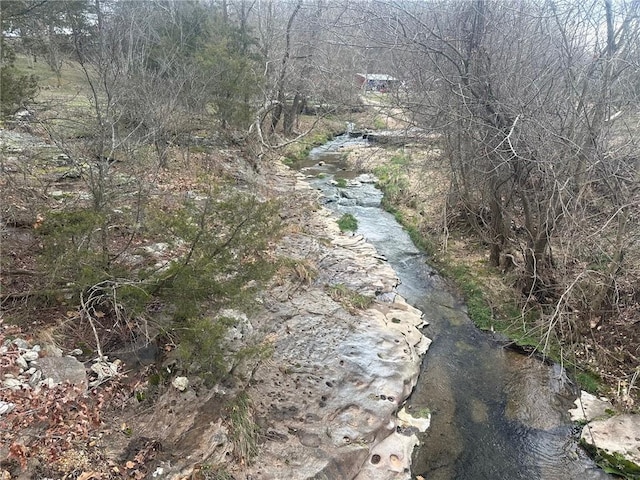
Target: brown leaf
(90,475)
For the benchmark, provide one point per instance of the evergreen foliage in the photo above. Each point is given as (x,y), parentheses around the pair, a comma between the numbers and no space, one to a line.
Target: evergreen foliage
(16,87)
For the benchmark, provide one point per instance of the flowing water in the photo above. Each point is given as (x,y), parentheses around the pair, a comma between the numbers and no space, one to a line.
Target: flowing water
(496,414)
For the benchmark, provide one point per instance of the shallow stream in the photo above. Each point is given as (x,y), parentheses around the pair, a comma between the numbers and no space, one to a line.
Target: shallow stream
(496,414)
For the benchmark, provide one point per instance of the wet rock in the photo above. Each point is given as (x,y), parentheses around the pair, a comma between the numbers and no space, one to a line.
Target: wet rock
(64,369)
(420,422)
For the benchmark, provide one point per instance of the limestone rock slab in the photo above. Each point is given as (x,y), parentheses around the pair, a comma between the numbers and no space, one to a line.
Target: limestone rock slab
(589,407)
(330,393)
(619,434)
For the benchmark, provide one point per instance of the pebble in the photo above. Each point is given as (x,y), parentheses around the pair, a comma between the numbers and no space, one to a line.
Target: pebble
(6,407)
(20,343)
(22,362)
(12,383)
(75,352)
(35,378)
(181,383)
(30,355)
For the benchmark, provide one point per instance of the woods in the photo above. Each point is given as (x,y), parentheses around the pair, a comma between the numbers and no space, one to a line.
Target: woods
(158,120)
(537,108)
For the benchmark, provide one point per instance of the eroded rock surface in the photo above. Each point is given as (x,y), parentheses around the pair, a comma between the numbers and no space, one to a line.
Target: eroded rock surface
(331,391)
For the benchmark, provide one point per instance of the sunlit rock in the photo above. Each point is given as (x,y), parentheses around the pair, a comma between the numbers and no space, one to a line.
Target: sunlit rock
(589,407)
(618,435)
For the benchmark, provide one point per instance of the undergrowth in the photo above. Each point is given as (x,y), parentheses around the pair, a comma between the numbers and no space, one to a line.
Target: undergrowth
(244,430)
(215,254)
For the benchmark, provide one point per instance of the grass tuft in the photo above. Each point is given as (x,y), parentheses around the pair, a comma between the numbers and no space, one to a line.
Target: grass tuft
(347,223)
(244,430)
(351,300)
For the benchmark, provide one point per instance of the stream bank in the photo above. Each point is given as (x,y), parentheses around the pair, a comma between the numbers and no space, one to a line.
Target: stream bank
(416,184)
(496,413)
(328,397)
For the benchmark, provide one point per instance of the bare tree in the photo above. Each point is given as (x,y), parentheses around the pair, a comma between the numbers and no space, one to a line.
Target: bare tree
(536,106)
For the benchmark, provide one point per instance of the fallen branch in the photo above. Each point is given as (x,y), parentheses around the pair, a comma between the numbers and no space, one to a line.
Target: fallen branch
(34,293)
(20,271)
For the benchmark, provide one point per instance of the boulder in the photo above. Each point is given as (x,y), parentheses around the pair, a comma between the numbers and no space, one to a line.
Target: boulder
(64,369)
(617,436)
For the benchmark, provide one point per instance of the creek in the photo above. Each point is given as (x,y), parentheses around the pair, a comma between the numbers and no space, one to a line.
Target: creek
(496,414)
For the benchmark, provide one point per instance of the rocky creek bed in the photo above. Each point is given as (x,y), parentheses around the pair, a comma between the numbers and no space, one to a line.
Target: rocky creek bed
(328,401)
